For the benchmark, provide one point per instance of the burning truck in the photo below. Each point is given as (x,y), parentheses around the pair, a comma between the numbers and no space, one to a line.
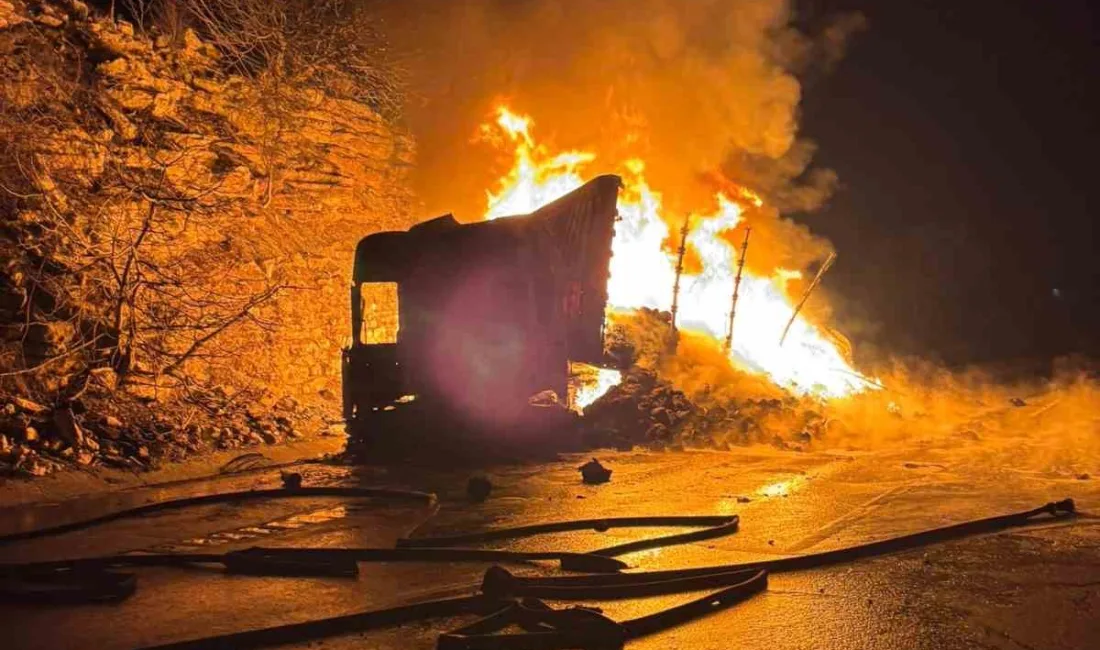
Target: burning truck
(463,323)
(488,316)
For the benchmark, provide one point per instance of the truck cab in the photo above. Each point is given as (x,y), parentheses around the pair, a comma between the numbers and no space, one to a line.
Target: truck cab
(469,321)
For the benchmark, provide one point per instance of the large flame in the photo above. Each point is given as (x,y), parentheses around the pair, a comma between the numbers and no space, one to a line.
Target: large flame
(642,273)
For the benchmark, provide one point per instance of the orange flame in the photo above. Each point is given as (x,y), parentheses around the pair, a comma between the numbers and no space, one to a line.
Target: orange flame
(594,382)
(642,273)
(537,178)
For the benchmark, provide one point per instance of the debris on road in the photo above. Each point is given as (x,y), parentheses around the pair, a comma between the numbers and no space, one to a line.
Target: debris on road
(478,488)
(645,409)
(593,473)
(111,428)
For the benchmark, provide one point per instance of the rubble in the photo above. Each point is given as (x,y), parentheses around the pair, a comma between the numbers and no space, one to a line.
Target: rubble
(8,15)
(593,473)
(647,410)
(28,406)
(114,428)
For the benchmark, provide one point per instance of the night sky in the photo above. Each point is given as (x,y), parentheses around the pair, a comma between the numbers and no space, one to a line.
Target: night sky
(965,137)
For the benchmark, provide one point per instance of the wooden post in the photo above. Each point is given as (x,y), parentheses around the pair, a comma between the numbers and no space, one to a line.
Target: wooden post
(673,332)
(736,290)
(806,295)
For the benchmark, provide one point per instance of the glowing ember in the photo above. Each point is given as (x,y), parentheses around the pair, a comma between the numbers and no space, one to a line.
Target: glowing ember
(642,274)
(781,488)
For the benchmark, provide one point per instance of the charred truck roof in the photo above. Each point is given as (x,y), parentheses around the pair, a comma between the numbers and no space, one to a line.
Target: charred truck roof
(488,313)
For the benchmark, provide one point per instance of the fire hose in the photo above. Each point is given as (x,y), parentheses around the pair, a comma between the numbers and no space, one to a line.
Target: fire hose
(548,629)
(499,582)
(578,627)
(94,579)
(600,525)
(507,600)
(90,580)
(713,526)
(425,498)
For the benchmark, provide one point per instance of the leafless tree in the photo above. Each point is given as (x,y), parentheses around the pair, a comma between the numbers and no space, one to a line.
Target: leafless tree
(140,11)
(336,44)
(130,262)
(133,264)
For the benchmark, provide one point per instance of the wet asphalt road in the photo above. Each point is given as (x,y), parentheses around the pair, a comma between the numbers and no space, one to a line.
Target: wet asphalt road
(1025,589)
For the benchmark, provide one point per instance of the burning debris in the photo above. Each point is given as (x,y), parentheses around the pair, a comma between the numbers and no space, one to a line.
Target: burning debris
(694,274)
(647,408)
(648,411)
(663,288)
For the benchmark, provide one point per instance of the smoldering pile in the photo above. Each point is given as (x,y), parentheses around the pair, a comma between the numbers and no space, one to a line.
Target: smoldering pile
(646,410)
(650,407)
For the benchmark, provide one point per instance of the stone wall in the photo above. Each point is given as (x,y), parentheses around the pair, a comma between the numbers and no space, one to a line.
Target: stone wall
(298,174)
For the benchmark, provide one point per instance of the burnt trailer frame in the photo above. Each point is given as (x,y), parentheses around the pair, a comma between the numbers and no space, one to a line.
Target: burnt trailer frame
(489,313)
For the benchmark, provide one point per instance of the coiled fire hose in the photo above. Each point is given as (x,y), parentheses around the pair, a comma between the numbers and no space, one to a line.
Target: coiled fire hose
(578,627)
(548,629)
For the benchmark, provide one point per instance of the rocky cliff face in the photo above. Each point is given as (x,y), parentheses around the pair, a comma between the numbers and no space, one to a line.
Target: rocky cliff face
(169,227)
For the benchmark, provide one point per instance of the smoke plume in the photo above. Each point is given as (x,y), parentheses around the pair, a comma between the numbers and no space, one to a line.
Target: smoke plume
(707,93)
(692,88)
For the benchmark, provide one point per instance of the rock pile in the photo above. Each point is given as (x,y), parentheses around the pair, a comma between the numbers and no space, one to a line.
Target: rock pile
(639,410)
(648,411)
(101,429)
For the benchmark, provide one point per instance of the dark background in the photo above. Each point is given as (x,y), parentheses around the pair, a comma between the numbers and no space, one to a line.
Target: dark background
(965,138)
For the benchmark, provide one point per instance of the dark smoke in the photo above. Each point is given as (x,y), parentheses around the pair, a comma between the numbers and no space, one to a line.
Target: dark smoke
(690,87)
